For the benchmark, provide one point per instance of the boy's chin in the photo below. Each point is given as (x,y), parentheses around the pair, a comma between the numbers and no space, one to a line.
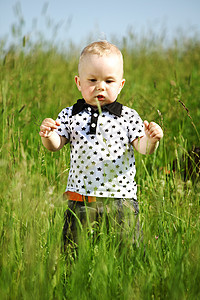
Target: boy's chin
(98,102)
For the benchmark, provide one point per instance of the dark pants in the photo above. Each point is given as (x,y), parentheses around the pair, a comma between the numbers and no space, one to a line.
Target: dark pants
(119,214)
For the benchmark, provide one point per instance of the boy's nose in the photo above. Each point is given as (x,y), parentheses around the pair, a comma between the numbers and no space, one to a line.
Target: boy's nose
(100,86)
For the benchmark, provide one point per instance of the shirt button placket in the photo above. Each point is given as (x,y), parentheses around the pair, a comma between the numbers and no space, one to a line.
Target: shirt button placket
(94,119)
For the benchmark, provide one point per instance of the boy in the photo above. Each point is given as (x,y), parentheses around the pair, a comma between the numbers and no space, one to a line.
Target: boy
(102,134)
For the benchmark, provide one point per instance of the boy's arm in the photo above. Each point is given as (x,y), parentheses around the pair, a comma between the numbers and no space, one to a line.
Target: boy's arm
(150,141)
(50,139)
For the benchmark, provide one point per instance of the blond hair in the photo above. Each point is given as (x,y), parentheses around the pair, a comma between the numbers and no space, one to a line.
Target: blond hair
(100,48)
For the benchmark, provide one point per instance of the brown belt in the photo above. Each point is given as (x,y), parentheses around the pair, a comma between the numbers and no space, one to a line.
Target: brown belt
(73,196)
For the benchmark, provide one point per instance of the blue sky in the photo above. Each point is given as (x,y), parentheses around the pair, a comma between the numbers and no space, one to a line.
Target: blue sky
(78,20)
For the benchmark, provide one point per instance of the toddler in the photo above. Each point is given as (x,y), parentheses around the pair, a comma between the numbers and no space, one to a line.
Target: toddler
(102,134)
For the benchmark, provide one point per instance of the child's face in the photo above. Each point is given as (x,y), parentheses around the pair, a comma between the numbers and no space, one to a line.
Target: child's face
(100,78)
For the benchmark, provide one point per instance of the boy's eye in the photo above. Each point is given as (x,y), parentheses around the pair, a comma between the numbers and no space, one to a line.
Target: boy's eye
(109,81)
(92,80)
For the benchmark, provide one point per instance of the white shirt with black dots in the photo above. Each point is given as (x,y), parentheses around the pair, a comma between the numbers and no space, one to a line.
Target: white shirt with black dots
(102,157)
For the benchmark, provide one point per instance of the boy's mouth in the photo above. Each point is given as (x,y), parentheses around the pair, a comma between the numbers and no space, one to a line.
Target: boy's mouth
(100,97)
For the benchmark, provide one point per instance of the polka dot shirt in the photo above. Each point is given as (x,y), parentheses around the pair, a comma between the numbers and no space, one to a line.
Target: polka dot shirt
(102,158)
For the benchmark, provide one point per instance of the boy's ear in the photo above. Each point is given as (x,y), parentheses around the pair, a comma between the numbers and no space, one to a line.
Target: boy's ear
(122,85)
(77,81)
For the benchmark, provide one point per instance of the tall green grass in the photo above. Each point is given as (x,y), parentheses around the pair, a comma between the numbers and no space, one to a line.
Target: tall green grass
(163,85)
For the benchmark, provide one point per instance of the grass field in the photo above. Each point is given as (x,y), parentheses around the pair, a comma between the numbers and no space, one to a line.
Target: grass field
(163,85)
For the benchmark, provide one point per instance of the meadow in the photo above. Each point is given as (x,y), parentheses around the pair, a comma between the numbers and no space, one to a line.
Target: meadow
(163,85)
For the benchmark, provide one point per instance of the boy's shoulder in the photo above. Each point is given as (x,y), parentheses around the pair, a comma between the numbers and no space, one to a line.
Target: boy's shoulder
(126,110)
(66,110)
(65,114)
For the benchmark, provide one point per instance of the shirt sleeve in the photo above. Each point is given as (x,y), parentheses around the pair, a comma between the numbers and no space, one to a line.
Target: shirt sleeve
(63,118)
(136,126)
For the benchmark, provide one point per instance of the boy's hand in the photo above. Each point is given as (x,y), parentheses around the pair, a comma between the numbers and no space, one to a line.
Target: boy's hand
(47,127)
(153,131)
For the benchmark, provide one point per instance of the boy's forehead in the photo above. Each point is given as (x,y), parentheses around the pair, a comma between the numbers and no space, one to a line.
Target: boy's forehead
(92,58)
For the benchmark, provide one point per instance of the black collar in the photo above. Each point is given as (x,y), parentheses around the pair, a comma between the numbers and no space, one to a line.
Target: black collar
(114,108)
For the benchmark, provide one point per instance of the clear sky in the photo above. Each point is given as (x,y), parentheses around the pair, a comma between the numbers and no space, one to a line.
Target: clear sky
(77,20)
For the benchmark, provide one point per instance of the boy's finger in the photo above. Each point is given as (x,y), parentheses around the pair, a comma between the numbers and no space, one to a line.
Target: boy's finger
(153,124)
(155,130)
(49,125)
(43,128)
(146,124)
(45,133)
(57,123)
(42,133)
